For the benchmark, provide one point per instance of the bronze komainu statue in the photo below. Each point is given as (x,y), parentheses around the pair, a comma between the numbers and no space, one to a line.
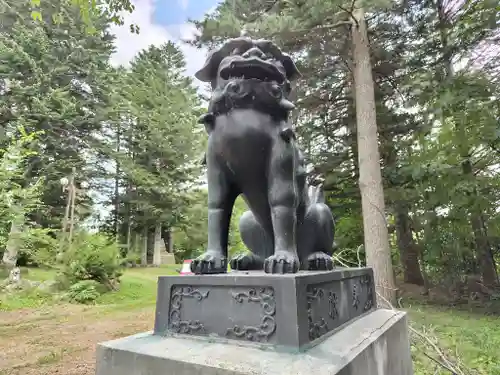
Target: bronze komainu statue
(252,151)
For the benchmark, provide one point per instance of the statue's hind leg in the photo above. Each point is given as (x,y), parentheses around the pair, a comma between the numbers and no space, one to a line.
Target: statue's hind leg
(256,240)
(316,238)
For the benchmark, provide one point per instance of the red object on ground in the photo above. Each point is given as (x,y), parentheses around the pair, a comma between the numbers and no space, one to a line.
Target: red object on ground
(186,267)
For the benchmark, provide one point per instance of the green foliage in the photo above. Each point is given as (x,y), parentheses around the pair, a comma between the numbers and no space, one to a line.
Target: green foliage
(20,197)
(435,123)
(137,291)
(191,239)
(92,257)
(236,245)
(17,199)
(40,246)
(112,9)
(131,259)
(56,79)
(85,291)
(154,141)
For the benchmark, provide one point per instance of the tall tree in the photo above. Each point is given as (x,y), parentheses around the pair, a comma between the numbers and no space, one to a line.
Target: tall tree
(451,32)
(58,83)
(376,234)
(155,121)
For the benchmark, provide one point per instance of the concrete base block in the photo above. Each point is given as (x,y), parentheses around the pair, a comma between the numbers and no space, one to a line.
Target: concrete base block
(374,344)
(167,258)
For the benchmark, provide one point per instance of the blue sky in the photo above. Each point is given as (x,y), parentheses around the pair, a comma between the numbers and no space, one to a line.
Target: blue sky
(175,12)
(161,21)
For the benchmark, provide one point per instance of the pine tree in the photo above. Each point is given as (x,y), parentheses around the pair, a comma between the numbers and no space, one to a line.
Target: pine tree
(160,142)
(57,77)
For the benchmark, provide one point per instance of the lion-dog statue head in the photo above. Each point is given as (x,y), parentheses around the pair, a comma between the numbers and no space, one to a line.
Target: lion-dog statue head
(246,72)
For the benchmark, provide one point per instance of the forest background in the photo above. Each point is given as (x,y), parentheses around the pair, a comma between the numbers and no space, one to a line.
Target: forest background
(128,138)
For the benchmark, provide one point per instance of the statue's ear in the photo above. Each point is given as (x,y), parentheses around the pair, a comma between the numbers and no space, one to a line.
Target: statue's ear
(209,71)
(291,70)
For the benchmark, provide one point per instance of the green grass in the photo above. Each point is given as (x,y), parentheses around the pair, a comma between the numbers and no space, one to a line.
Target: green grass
(25,299)
(472,338)
(137,289)
(29,299)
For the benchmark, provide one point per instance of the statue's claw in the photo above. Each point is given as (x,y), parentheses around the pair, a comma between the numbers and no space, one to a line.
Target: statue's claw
(209,263)
(282,262)
(246,262)
(319,261)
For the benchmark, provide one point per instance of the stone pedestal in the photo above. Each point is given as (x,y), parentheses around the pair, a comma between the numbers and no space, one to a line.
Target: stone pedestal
(287,310)
(167,258)
(255,323)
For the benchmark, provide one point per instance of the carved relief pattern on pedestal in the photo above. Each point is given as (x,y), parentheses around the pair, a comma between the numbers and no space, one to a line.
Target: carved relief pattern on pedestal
(333,312)
(367,283)
(355,294)
(319,327)
(176,324)
(267,327)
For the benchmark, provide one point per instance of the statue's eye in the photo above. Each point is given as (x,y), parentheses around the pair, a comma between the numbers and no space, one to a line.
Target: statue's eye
(275,90)
(233,87)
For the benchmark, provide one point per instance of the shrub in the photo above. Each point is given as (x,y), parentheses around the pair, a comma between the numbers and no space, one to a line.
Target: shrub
(39,248)
(85,291)
(131,260)
(92,257)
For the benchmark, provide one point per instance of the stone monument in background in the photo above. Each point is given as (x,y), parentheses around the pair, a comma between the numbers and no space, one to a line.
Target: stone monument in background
(283,308)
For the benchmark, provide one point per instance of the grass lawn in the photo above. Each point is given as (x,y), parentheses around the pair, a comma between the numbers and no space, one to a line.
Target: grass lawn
(46,326)
(472,338)
(137,289)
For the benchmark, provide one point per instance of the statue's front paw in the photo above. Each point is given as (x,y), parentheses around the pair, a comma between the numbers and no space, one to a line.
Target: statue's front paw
(282,262)
(246,262)
(209,262)
(319,261)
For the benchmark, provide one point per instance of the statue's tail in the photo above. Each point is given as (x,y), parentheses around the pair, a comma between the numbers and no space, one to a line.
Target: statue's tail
(316,194)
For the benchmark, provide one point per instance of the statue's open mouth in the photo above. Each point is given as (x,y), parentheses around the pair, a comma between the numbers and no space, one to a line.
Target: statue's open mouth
(252,69)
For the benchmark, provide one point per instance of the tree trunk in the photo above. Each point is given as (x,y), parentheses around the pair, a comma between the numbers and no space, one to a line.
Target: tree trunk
(483,253)
(117,186)
(158,246)
(168,238)
(129,237)
(150,244)
(72,213)
(408,249)
(13,245)
(144,250)
(376,236)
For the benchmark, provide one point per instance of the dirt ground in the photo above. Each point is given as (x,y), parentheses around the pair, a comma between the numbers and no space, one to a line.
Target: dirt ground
(62,340)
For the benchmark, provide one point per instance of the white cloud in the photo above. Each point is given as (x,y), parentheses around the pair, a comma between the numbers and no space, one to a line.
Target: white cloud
(128,44)
(183,3)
